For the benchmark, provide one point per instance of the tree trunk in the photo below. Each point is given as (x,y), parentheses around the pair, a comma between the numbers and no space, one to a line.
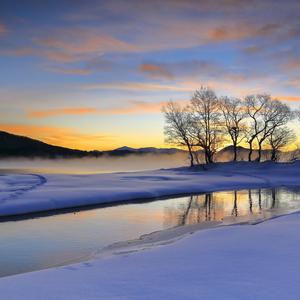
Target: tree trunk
(259,152)
(191,156)
(209,156)
(273,198)
(206,155)
(273,156)
(234,152)
(250,152)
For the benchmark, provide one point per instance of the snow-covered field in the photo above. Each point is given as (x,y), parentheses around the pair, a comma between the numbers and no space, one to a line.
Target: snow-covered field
(27,193)
(231,262)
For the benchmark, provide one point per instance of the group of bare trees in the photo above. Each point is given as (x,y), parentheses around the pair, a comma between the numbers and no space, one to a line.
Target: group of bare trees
(208,122)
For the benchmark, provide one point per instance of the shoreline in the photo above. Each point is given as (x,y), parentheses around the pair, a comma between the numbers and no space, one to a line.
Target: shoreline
(167,236)
(74,209)
(204,261)
(172,235)
(216,178)
(47,193)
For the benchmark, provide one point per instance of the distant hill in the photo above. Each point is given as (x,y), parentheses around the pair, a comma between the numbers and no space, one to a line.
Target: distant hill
(149,150)
(12,145)
(226,154)
(15,145)
(229,149)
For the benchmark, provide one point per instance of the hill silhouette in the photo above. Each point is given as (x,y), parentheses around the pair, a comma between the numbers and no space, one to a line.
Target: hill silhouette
(16,145)
(12,145)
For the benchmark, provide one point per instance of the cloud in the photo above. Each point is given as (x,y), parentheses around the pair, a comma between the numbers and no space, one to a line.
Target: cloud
(134,27)
(3,29)
(54,55)
(73,71)
(155,71)
(132,107)
(292,64)
(136,86)
(293,82)
(288,98)
(71,45)
(243,30)
(122,33)
(253,49)
(78,43)
(61,111)
(186,87)
(202,69)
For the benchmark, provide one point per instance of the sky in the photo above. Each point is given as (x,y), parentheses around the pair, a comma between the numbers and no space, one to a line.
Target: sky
(94,74)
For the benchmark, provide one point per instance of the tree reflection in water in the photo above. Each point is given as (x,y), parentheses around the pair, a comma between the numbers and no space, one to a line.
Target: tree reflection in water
(217,206)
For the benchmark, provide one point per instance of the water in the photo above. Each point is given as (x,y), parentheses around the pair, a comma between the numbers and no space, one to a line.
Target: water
(48,241)
(104,164)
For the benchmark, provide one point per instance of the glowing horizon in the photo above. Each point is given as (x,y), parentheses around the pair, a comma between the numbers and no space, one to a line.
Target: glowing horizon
(95,75)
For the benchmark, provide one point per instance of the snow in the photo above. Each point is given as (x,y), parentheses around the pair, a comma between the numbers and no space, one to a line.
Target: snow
(231,262)
(28,193)
(225,262)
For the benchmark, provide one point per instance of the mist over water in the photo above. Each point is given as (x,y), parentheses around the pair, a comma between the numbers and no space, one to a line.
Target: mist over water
(109,164)
(103,164)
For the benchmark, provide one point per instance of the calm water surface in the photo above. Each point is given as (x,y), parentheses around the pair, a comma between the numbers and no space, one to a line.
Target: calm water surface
(44,242)
(104,164)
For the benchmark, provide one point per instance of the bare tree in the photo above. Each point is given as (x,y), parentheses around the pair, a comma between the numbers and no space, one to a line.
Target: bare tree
(295,154)
(201,125)
(275,115)
(279,138)
(177,127)
(297,114)
(234,121)
(205,129)
(254,107)
(265,115)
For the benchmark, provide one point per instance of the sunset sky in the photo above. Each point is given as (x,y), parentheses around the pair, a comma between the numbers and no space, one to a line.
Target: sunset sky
(94,74)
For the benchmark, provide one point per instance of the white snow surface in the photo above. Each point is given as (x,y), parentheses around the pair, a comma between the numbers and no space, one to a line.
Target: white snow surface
(28,193)
(233,262)
(259,261)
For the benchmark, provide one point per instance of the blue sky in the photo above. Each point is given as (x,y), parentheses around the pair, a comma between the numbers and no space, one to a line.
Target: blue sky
(94,74)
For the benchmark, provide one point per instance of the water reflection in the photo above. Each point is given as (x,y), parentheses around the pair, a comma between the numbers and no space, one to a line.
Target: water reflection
(44,242)
(217,206)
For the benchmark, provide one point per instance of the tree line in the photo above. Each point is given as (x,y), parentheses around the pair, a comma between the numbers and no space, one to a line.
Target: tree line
(208,122)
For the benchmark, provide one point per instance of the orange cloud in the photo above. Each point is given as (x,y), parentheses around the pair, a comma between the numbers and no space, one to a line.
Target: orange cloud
(292,64)
(61,111)
(289,98)
(70,71)
(74,44)
(232,32)
(137,86)
(69,45)
(54,55)
(3,29)
(156,71)
(134,107)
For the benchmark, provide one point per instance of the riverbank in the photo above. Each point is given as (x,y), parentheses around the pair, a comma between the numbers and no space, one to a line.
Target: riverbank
(31,193)
(230,262)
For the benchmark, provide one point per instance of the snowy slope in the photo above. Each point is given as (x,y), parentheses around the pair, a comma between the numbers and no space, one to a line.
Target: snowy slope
(26,193)
(232,262)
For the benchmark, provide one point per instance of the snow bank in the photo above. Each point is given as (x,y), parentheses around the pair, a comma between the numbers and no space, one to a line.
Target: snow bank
(28,193)
(232,262)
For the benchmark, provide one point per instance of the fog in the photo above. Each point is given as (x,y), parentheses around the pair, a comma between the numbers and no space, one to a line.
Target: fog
(108,164)
(104,164)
